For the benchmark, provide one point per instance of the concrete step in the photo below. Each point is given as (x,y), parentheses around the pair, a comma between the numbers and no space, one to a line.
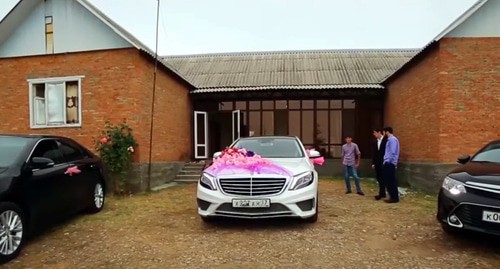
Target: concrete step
(192,169)
(188,175)
(192,173)
(186,180)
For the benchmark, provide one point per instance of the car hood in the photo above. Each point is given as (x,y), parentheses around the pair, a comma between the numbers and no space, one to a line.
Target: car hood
(294,165)
(488,173)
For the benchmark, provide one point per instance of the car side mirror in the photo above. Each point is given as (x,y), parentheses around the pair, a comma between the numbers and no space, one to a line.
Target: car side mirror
(463,159)
(314,154)
(40,162)
(217,154)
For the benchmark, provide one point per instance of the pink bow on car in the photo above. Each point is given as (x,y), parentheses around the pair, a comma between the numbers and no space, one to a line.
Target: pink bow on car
(316,160)
(319,160)
(72,170)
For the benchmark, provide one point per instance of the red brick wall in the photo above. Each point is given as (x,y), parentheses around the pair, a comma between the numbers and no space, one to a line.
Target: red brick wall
(448,103)
(173,113)
(117,85)
(470,108)
(412,107)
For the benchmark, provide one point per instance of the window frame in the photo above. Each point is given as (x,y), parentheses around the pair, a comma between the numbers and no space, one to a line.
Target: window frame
(45,81)
(30,156)
(72,144)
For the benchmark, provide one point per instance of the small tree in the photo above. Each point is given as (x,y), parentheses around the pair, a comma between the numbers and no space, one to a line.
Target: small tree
(116,146)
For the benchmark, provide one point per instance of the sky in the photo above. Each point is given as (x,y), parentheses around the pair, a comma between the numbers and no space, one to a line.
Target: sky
(215,26)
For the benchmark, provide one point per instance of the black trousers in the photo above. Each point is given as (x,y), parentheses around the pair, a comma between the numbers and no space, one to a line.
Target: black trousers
(380,178)
(389,174)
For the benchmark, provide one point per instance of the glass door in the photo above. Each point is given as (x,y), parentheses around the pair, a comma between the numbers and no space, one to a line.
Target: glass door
(200,135)
(236,124)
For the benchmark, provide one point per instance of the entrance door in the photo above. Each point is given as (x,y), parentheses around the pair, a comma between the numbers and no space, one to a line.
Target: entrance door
(200,135)
(236,124)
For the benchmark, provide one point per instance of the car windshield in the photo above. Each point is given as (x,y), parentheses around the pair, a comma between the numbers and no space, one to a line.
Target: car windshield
(272,147)
(490,153)
(10,149)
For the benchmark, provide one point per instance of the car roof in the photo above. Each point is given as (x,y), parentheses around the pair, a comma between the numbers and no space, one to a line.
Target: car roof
(270,136)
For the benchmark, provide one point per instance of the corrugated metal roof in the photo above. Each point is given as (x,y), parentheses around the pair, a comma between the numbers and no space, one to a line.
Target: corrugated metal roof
(331,69)
(298,87)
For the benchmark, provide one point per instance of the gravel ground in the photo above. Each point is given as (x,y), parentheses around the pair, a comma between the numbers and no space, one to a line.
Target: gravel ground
(163,230)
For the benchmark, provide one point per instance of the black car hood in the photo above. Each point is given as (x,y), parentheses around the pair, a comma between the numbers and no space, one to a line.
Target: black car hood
(488,173)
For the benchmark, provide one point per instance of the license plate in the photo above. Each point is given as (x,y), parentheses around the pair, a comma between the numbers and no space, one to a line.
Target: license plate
(252,203)
(490,216)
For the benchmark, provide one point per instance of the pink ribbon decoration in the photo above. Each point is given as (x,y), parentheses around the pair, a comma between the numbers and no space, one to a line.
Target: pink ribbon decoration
(239,161)
(72,170)
(317,160)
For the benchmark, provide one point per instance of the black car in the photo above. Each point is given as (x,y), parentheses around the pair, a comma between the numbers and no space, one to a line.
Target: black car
(41,179)
(470,196)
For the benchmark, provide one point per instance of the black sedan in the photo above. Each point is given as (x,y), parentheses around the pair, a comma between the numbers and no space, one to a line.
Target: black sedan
(470,196)
(41,179)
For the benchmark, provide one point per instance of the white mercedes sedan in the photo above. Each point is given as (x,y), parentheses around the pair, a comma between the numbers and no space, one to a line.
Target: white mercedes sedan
(285,186)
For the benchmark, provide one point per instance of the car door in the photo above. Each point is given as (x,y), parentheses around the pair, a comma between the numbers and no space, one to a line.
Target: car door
(44,186)
(79,185)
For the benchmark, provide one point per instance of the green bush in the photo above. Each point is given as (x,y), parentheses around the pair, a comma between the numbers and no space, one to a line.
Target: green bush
(115,146)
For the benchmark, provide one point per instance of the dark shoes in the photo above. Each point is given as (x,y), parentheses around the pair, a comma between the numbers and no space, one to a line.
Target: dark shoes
(378,197)
(390,201)
(347,192)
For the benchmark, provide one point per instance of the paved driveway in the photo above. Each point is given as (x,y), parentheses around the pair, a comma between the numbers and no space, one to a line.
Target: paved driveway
(162,230)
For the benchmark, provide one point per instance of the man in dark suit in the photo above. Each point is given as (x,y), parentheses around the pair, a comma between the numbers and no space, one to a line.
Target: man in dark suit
(378,160)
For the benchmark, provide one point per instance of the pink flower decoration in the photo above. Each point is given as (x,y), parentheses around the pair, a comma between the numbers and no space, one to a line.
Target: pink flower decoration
(104,140)
(130,149)
(72,170)
(319,161)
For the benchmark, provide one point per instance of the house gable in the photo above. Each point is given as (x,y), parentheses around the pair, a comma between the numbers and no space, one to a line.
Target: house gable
(485,22)
(75,28)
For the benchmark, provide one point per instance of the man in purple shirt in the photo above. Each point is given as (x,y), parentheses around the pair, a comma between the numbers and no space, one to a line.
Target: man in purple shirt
(391,158)
(350,159)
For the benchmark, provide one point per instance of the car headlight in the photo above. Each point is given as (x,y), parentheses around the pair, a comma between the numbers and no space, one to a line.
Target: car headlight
(302,180)
(453,186)
(207,181)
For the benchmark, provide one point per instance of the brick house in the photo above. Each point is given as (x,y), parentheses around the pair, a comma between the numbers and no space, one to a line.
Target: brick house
(445,102)
(319,96)
(442,100)
(66,68)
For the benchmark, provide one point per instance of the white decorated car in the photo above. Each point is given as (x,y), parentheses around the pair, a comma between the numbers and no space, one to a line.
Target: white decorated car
(271,176)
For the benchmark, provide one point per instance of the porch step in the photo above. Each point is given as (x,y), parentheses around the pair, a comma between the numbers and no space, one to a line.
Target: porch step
(190,173)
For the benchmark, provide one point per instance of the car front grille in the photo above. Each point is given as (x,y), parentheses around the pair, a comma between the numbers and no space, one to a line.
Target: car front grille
(483,193)
(473,214)
(252,186)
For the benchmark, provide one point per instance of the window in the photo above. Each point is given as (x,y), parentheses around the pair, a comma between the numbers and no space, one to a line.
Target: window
(55,102)
(71,152)
(49,35)
(272,147)
(48,149)
(490,153)
(11,148)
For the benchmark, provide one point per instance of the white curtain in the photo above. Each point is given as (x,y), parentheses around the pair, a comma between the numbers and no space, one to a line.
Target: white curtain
(55,103)
(40,111)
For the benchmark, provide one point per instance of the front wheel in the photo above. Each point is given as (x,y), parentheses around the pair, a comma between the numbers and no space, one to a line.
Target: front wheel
(12,231)
(97,198)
